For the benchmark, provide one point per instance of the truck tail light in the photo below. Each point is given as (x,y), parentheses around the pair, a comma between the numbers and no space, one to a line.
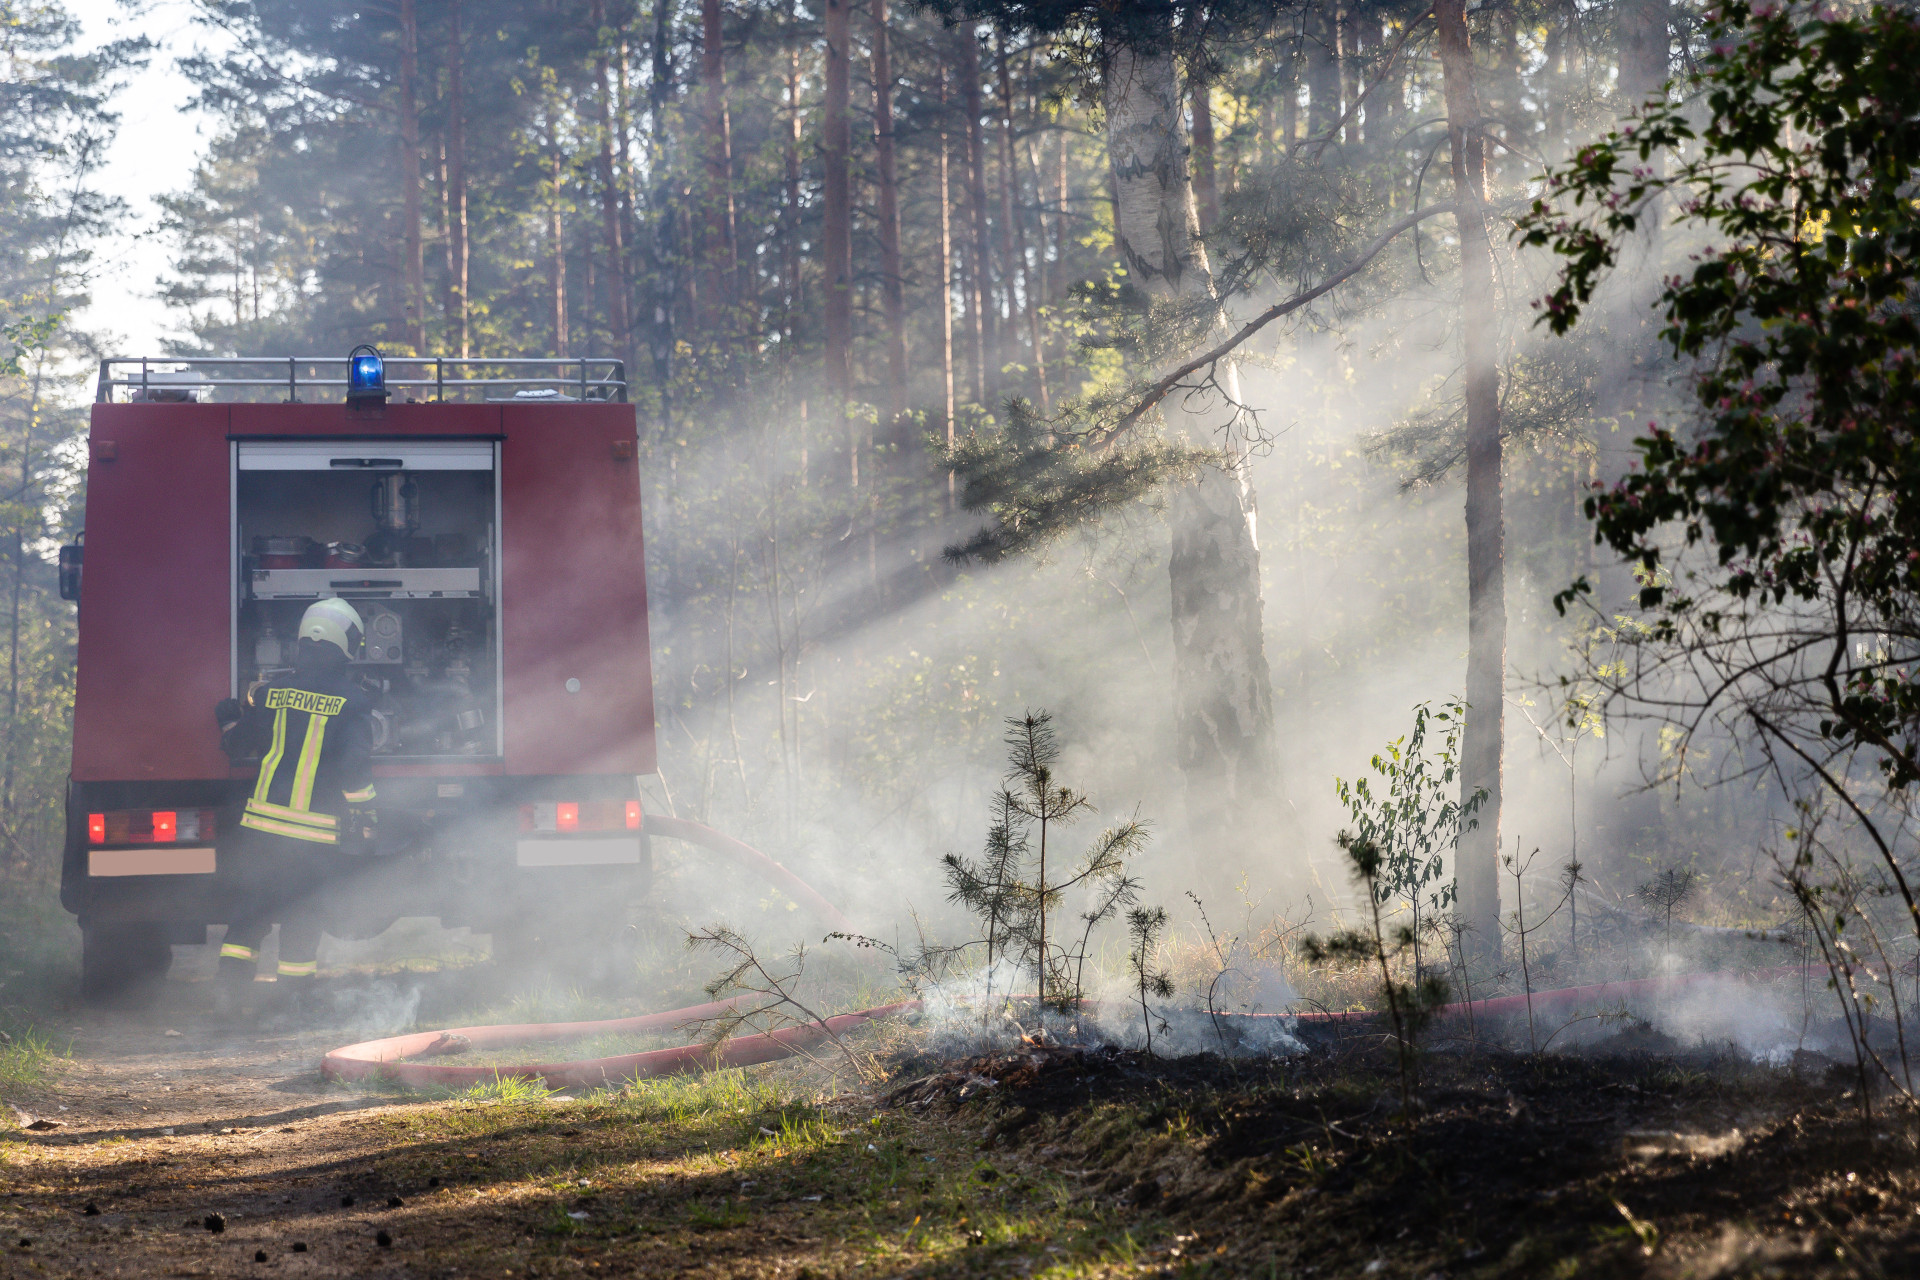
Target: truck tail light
(150,826)
(570,817)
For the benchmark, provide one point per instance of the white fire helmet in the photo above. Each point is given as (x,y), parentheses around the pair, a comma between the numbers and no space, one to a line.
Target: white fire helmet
(334,622)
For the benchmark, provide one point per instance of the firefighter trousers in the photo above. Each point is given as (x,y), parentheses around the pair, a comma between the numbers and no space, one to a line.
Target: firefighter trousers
(286,884)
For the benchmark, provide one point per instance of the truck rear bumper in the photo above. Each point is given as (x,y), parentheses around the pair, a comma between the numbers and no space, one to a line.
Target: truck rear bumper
(462,858)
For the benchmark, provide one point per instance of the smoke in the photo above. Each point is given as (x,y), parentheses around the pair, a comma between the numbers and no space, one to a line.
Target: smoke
(975,1014)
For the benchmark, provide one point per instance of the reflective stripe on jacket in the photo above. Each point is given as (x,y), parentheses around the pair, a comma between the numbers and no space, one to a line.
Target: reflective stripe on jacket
(315,739)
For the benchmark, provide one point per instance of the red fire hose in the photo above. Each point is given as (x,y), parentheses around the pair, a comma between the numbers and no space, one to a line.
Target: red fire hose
(378,1058)
(382,1058)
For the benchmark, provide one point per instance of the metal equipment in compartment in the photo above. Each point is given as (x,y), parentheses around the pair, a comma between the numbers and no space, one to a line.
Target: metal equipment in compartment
(406,531)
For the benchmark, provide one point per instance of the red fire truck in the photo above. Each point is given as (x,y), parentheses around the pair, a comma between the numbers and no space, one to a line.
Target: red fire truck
(484,519)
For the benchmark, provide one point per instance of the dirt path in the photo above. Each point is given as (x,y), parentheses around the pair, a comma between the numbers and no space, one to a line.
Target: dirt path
(722,1176)
(168,1115)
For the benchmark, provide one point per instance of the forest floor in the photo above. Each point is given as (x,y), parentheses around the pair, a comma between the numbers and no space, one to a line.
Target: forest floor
(1645,1161)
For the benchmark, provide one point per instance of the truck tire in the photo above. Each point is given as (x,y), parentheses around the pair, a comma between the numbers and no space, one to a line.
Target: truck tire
(117,958)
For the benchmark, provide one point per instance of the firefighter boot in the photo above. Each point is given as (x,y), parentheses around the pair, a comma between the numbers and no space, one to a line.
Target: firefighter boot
(233,984)
(296,998)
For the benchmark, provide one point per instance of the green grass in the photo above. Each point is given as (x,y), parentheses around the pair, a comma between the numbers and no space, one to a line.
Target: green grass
(39,950)
(28,1060)
(508,1089)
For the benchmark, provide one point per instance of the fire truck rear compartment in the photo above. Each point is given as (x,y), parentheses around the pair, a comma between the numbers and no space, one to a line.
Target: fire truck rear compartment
(404,531)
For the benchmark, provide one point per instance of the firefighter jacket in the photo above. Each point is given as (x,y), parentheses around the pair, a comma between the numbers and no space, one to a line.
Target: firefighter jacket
(313,733)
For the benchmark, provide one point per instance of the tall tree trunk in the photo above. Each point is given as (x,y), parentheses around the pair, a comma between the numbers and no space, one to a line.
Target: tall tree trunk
(980,252)
(1206,192)
(1353,73)
(611,229)
(556,240)
(458,251)
(1223,693)
(661,277)
(1482,746)
(946,284)
(1645,43)
(1043,240)
(1290,102)
(790,240)
(719,255)
(1013,230)
(836,145)
(893,302)
(413,263)
(1369,39)
(1323,68)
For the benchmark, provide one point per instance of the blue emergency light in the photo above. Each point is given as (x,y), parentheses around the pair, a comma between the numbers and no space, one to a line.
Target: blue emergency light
(366,376)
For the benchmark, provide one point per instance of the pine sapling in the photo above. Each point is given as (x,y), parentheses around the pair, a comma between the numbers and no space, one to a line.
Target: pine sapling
(1670,889)
(1410,1005)
(1144,926)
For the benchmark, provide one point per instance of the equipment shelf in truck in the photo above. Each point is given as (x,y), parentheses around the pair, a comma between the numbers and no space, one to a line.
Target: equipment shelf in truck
(389,584)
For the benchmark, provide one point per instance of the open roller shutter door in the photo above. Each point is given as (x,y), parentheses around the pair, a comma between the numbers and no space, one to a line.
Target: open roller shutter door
(348,455)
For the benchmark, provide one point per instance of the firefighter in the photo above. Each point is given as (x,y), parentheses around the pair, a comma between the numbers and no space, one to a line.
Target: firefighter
(308,810)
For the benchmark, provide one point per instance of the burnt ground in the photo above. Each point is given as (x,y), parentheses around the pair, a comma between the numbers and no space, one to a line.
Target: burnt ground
(1648,1161)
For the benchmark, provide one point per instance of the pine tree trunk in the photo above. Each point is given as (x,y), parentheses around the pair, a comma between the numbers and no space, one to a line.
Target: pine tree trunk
(946,283)
(1013,230)
(413,262)
(458,251)
(893,302)
(612,232)
(718,255)
(1323,69)
(1482,746)
(1352,74)
(660,248)
(556,242)
(836,232)
(1223,693)
(980,252)
(1369,39)
(790,209)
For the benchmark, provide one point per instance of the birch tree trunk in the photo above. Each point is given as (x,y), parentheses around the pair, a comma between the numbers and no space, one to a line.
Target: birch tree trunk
(1222,690)
(1483,741)
(1206,189)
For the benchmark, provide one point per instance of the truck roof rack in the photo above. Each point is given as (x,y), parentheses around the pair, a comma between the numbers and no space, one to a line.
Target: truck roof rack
(282,379)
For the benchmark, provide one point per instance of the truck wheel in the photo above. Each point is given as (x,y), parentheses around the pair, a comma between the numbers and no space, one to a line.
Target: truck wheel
(114,958)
